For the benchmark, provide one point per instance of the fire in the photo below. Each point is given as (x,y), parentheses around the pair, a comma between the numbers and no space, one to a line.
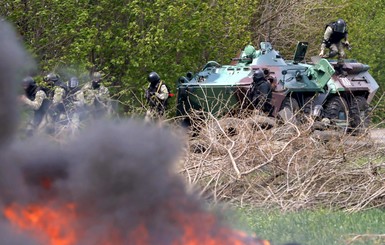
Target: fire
(56,226)
(140,235)
(203,228)
(45,222)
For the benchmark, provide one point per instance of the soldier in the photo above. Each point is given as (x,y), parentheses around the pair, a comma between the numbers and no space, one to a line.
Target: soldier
(156,94)
(261,92)
(335,32)
(249,54)
(97,97)
(36,100)
(56,92)
(74,103)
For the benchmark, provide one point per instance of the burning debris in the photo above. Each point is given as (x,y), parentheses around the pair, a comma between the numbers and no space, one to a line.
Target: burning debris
(113,184)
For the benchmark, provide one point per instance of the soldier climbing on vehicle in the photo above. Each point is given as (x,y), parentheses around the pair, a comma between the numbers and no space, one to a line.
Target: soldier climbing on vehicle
(335,32)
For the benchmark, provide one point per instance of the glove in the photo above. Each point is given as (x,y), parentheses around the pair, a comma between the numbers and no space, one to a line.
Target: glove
(322,53)
(347,45)
(148,94)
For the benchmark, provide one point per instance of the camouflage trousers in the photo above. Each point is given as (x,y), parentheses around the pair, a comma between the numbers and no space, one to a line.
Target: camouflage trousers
(337,49)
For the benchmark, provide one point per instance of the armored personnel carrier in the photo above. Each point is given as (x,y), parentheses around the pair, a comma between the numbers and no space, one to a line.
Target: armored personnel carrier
(339,91)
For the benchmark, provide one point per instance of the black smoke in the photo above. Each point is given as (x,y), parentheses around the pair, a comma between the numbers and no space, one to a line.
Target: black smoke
(119,175)
(15,63)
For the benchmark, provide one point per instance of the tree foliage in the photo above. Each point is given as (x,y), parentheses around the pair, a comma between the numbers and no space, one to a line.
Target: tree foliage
(128,39)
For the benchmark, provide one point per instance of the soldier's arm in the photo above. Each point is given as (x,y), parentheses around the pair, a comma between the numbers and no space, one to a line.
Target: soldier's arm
(37,102)
(89,96)
(79,98)
(163,93)
(327,34)
(103,95)
(265,89)
(58,96)
(106,93)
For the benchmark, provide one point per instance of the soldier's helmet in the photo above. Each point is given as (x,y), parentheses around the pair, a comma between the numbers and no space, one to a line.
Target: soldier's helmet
(96,76)
(340,26)
(250,51)
(153,77)
(258,75)
(51,78)
(73,83)
(28,82)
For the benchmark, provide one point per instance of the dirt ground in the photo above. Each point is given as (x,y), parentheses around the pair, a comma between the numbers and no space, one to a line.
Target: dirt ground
(378,135)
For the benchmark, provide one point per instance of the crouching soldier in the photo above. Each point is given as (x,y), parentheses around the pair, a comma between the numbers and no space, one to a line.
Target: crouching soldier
(260,93)
(335,32)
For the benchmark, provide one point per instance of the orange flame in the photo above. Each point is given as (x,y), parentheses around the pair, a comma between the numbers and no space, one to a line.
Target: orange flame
(45,222)
(56,225)
(203,228)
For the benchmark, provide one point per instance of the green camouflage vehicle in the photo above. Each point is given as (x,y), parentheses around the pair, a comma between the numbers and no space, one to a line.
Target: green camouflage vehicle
(339,91)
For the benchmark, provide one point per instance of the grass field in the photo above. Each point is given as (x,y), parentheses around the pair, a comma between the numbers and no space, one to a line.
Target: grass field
(316,227)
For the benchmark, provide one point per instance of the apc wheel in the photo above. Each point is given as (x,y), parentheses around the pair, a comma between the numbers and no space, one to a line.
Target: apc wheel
(359,113)
(291,104)
(336,108)
(289,109)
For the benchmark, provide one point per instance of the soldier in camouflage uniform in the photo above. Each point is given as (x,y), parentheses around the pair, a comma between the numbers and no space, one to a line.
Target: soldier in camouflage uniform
(335,32)
(74,104)
(56,92)
(97,97)
(157,94)
(34,99)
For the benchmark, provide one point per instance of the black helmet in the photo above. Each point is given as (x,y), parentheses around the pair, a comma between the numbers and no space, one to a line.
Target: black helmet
(340,26)
(73,83)
(51,77)
(258,75)
(153,77)
(28,82)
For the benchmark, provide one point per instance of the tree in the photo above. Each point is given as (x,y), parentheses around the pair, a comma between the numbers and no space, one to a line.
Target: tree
(128,39)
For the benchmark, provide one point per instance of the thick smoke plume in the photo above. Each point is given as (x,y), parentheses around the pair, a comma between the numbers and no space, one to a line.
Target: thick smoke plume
(14,64)
(118,175)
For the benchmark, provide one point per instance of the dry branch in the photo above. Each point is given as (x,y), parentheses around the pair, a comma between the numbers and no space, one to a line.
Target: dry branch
(287,166)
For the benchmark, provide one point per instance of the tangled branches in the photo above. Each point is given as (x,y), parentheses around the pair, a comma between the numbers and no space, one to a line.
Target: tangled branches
(252,161)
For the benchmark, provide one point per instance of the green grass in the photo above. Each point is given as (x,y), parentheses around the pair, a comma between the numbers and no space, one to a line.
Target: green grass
(315,227)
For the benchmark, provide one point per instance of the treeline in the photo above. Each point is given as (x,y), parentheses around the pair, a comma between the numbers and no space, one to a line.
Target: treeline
(127,39)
